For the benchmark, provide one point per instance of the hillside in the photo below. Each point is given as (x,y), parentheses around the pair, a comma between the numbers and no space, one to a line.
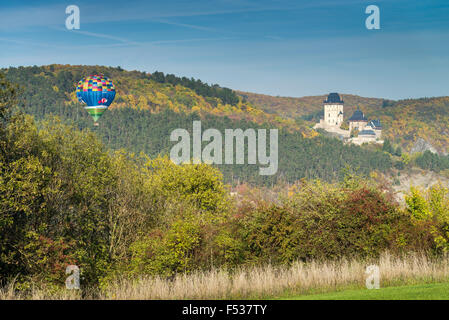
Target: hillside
(404,121)
(146,110)
(54,84)
(409,123)
(309,108)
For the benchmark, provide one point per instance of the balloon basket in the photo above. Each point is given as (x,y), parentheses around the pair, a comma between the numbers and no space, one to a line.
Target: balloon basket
(96,124)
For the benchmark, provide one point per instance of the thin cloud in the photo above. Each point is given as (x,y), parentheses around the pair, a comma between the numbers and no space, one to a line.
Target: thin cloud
(185,25)
(186,40)
(121,42)
(141,43)
(31,16)
(104,36)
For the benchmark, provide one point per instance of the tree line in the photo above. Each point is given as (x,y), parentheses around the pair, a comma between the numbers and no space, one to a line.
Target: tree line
(226,95)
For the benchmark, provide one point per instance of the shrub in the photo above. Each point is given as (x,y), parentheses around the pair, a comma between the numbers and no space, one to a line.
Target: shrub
(325,221)
(198,184)
(166,254)
(430,210)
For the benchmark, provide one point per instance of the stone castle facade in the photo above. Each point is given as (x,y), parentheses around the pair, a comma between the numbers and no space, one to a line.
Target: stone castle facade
(365,131)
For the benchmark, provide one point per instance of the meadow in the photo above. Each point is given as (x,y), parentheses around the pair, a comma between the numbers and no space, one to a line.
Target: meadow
(429,291)
(414,276)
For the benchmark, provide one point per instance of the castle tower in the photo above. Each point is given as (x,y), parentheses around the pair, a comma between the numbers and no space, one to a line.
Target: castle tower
(333,110)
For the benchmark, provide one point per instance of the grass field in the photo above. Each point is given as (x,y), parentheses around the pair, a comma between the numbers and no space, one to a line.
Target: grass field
(435,291)
(414,276)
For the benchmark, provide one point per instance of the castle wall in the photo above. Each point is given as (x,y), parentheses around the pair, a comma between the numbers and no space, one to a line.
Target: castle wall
(360,125)
(364,139)
(378,133)
(333,114)
(332,128)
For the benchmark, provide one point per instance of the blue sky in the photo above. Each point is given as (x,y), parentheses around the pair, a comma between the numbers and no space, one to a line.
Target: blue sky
(283,47)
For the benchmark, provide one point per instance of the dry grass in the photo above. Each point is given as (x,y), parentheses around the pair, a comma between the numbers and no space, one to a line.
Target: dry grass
(265,282)
(10,292)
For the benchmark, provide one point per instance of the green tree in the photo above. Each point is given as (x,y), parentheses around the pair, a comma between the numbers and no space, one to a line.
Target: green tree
(387,147)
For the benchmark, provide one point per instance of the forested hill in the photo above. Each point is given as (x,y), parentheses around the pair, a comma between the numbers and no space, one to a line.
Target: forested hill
(404,121)
(47,85)
(149,106)
(310,107)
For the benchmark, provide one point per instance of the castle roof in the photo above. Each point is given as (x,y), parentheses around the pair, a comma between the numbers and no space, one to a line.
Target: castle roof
(375,124)
(367,133)
(333,98)
(358,116)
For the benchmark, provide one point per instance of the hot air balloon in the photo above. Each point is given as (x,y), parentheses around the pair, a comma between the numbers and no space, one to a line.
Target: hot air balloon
(97,92)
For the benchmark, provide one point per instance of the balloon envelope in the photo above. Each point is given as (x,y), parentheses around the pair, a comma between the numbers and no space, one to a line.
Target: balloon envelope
(97,92)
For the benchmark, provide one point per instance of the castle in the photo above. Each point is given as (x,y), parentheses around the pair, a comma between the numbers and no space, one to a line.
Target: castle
(364,130)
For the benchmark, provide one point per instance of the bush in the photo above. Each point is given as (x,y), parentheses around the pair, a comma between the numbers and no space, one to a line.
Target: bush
(328,222)
(199,184)
(430,210)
